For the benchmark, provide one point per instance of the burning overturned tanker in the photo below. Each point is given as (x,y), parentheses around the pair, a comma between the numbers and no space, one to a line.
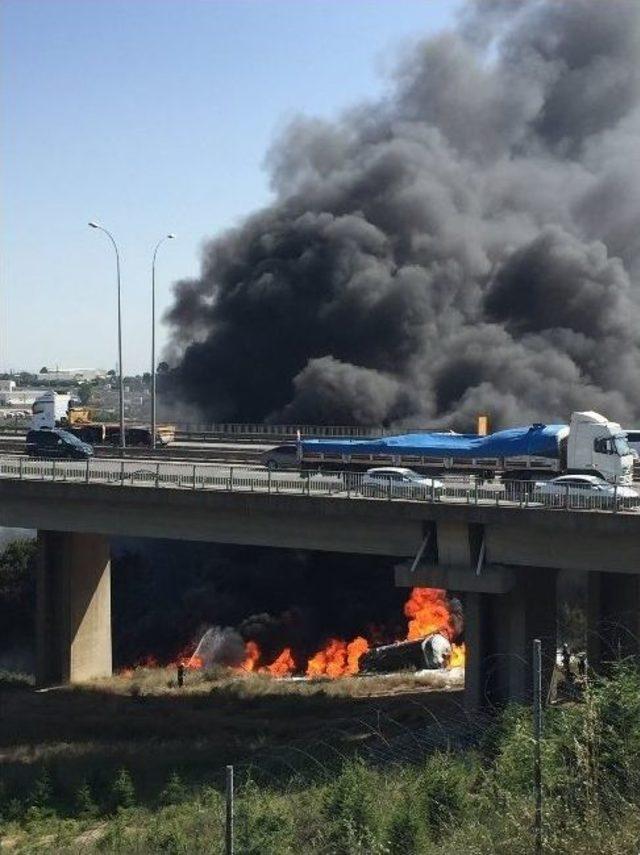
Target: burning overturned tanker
(433,640)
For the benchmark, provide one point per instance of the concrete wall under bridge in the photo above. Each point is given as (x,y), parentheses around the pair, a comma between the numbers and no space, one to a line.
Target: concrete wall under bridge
(505,558)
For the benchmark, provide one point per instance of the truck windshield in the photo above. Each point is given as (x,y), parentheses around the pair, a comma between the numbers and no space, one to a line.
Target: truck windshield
(621,444)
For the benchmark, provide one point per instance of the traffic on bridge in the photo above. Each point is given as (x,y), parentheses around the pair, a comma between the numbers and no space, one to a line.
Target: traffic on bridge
(582,493)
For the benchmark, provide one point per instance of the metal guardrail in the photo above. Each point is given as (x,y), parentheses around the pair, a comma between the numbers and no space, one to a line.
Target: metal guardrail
(278,433)
(346,485)
(256,432)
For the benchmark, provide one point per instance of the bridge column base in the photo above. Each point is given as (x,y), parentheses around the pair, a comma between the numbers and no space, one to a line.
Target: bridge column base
(73,612)
(613,618)
(499,631)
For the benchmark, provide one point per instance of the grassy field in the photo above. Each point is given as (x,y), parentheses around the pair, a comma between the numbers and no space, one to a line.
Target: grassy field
(352,766)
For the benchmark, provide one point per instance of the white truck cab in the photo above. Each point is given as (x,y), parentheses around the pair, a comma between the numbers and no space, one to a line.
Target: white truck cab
(49,409)
(597,446)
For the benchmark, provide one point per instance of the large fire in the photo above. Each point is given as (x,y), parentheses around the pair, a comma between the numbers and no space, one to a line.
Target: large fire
(427,610)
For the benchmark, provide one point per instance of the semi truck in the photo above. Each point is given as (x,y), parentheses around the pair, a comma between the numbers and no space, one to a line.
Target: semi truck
(54,410)
(589,444)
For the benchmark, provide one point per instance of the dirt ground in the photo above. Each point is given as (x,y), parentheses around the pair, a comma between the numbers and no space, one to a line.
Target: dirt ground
(152,728)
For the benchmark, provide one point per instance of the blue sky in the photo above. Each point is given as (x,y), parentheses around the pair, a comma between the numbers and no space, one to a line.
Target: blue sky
(153,116)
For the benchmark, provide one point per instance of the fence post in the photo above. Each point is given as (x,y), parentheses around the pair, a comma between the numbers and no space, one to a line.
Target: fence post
(615,498)
(21,462)
(194,476)
(86,474)
(268,480)
(231,478)
(157,474)
(566,498)
(537,737)
(122,473)
(229,817)
(53,470)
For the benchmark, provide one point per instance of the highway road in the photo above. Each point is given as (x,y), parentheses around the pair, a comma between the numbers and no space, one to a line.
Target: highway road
(230,452)
(217,476)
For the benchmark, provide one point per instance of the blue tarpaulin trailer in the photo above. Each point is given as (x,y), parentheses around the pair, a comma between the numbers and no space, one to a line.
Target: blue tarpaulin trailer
(538,440)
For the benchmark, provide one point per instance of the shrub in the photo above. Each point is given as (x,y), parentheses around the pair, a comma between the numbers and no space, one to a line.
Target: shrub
(123,794)
(264,823)
(352,807)
(174,792)
(443,791)
(85,804)
(405,835)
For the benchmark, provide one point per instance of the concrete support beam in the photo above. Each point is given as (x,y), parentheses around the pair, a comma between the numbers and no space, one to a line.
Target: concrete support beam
(492,580)
(613,618)
(73,613)
(499,631)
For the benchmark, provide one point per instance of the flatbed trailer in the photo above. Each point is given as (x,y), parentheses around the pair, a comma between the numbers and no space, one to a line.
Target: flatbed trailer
(590,444)
(105,433)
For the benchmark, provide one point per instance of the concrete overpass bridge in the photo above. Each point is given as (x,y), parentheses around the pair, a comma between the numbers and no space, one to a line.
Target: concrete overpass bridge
(503,554)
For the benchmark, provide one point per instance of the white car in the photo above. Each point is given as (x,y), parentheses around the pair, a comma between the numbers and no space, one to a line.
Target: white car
(395,481)
(584,491)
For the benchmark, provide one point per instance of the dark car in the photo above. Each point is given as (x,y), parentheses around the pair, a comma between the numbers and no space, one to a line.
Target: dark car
(281,457)
(57,444)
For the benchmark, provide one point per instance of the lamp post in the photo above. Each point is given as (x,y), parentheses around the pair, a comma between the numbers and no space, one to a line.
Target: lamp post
(120,370)
(153,338)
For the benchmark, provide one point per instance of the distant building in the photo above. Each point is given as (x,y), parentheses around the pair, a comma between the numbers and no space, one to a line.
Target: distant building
(7,385)
(73,375)
(18,397)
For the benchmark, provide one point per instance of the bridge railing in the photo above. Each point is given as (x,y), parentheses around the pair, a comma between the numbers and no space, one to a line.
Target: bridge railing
(345,485)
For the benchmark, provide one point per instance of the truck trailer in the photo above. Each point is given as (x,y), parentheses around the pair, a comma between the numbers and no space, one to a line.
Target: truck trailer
(52,409)
(589,444)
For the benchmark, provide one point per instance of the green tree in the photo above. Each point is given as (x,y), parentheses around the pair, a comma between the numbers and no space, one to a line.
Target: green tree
(84,393)
(17,590)
(123,793)
(85,802)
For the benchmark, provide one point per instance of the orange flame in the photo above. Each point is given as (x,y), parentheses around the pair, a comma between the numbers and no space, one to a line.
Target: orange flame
(337,658)
(458,654)
(427,610)
(282,666)
(253,655)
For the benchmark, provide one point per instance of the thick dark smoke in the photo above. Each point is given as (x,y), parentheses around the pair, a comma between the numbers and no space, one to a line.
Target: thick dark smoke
(470,243)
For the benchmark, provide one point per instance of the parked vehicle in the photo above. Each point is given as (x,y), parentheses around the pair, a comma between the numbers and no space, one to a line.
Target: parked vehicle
(589,445)
(584,491)
(57,444)
(396,481)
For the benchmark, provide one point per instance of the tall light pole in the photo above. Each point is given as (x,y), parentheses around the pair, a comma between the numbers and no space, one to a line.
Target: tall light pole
(153,338)
(120,370)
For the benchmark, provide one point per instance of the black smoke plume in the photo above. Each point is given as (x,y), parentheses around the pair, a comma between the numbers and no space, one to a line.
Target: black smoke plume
(469,243)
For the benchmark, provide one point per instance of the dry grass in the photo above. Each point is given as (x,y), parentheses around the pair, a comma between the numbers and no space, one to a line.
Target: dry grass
(163,681)
(147,725)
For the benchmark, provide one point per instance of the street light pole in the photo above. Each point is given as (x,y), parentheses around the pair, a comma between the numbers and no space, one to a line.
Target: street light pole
(153,338)
(95,225)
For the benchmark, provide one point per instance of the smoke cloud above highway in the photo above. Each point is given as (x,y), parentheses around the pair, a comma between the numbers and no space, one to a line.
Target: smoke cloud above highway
(470,243)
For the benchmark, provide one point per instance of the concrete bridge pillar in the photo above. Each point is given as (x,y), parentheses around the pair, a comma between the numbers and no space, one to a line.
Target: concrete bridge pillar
(499,631)
(613,617)
(73,612)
